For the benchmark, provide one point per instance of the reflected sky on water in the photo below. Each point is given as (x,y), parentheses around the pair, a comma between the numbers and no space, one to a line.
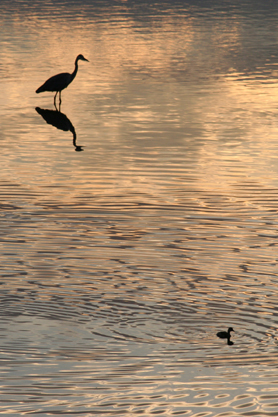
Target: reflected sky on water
(120,263)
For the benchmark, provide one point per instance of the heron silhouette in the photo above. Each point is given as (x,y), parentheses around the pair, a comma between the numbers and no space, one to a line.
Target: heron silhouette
(60,81)
(59,120)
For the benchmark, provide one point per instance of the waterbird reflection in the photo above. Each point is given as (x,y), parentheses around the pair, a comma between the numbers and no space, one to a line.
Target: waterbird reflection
(60,81)
(59,120)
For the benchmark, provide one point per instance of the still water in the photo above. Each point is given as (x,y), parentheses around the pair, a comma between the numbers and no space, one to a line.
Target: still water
(142,218)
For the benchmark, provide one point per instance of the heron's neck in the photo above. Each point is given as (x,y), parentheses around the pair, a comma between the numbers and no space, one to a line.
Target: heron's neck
(75,70)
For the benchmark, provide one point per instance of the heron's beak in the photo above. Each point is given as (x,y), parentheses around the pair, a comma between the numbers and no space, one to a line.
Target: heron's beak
(86,60)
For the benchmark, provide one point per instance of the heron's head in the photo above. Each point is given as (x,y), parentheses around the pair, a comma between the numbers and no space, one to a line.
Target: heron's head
(82,58)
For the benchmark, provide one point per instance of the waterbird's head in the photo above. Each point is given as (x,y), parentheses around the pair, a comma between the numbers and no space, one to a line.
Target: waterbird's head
(82,58)
(230,329)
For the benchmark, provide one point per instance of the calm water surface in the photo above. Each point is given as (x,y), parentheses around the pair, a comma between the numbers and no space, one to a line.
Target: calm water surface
(141,218)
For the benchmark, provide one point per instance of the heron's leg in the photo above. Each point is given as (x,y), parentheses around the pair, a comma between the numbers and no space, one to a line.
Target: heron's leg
(60,99)
(55,98)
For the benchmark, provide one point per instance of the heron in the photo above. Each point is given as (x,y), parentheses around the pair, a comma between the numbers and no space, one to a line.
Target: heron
(60,81)
(225,335)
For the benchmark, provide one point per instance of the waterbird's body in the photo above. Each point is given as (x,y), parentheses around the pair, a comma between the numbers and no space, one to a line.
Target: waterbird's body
(225,335)
(60,81)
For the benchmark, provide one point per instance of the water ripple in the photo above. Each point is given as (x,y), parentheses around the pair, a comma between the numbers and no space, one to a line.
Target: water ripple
(120,264)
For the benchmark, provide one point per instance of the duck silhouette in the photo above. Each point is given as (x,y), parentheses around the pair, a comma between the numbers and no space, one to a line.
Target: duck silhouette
(225,335)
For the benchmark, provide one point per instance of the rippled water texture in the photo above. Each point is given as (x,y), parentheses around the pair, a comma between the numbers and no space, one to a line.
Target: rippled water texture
(141,219)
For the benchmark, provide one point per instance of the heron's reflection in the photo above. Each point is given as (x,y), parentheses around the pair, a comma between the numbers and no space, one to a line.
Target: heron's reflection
(59,120)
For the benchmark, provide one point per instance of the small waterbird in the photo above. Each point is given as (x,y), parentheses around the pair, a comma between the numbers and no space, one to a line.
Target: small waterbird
(60,81)
(225,335)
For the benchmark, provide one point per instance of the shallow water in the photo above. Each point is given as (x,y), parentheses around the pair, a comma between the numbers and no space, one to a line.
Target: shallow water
(141,218)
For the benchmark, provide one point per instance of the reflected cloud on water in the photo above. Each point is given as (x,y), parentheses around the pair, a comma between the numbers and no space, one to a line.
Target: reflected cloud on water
(117,271)
(59,120)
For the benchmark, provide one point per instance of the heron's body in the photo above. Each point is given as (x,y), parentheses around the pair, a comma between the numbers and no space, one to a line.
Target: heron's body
(225,335)
(60,81)
(56,83)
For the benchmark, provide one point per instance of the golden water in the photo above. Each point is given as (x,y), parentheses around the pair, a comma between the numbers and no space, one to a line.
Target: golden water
(125,248)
